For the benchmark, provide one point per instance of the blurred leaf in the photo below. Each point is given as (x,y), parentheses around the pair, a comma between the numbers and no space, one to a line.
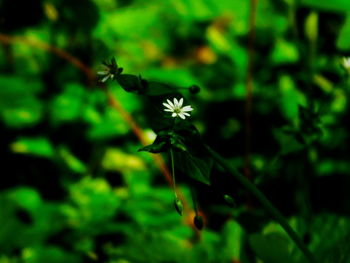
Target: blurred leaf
(311,27)
(130,102)
(343,41)
(335,229)
(197,168)
(194,9)
(39,146)
(107,126)
(70,160)
(13,86)
(50,254)
(232,240)
(290,97)
(271,248)
(335,5)
(117,160)
(22,117)
(129,18)
(288,142)
(170,245)
(19,106)
(68,106)
(174,76)
(328,238)
(332,166)
(27,198)
(131,83)
(340,101)
(284,52)
(155,147)
(94,203)
(27,221)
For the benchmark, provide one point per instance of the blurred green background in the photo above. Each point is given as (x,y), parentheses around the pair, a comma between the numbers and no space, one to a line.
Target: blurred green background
(73,187)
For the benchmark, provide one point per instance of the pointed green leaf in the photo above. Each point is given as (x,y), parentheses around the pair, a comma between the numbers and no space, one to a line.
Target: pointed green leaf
(271,248)
(197,168)
(131,83)
(155,147)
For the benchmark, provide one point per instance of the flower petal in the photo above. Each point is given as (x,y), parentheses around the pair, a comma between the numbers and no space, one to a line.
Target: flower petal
(187,108)
(168,106)
(182,116)
(170,103)
(185,113)
(346,62)
(181,102)
(102,72)
(169,110)
(105,78)
(174,114)
(176,103)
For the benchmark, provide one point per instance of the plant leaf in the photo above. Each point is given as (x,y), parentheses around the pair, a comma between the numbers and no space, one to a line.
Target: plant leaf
(197,168)
(156,147)
(271,248)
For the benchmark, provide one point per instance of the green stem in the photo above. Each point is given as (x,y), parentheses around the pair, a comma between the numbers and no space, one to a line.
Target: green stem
(173,169)
(265,202)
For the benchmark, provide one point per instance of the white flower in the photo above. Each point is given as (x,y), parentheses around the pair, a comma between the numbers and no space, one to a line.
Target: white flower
(111,70)
(106,75)
(346,63)
(176,108)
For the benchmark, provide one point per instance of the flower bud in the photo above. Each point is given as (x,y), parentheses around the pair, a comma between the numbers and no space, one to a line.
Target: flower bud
(194,89)
(229,201)
(198,222)
(178,206)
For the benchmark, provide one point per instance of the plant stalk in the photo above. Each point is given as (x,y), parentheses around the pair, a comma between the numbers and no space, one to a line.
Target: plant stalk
(265,202)
(173,170)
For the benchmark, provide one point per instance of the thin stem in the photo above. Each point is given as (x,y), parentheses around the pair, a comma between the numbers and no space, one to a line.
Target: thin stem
(173,170)
(265,202)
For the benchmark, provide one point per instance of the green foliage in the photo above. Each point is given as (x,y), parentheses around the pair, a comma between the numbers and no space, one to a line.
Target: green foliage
(343,41)
(74,187)
(33,146)
(338,5)
(195,167)
(19,104)
(271,248)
